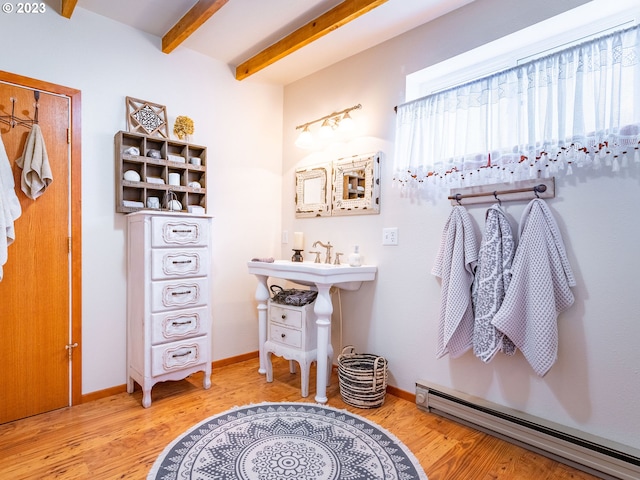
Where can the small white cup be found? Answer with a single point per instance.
(174, 179)
(153, 202)
(195, 161)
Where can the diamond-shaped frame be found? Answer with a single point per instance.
(147, 117)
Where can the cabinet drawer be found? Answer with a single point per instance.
(172, 263)
(179, 294)
(173, 231)
(178, 355)
(286, 336)
(285, 316)
(171, 326)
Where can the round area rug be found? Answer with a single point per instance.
(286, 441)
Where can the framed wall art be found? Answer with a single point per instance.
(147, 118)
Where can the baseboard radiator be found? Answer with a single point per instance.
(598, 456)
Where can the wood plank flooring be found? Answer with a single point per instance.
(115, 438)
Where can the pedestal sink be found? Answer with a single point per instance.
(321, 276)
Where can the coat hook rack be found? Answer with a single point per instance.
(13, 120)
(523, 190)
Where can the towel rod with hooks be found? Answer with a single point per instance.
(522, 190)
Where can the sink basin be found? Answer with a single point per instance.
(312, 274)
(322, 276)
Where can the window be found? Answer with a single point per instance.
(578, 105)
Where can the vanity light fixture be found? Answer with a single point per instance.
(337, 120)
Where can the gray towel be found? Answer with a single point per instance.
(490, 284)
(454, 264)
(540, 288)
(36, 171)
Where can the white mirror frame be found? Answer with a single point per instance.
(320, 176)
(356, 185)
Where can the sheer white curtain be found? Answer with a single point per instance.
(577, 108)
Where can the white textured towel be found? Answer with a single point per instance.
(10, 208)
(539, 290)
(36, 171)
(492, 278)
(454, 265)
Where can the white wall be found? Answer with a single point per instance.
(240, 123)
(595, 384)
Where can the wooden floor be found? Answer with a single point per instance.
(116, 438)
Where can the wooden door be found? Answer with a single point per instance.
(35, 314)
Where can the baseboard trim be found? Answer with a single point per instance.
(237, 359)
(108, 392)
(396, 392)
(99, 394)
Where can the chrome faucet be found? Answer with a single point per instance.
(328, 246)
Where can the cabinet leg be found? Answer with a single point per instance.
(304, 378)
(146, 398)
(130, 385)
(269, 366)
(207, 378)
(292, 366)
(329, 363)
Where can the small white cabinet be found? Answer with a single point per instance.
(168, 299)
(291, 334)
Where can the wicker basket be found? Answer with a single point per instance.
(363, 378)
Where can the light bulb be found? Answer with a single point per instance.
(346, 124)
(325, 130)
(305, 139)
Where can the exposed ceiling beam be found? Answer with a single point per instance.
(320, 26)
(192, 20)
(68, 6)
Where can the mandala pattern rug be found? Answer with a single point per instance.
(286, 441)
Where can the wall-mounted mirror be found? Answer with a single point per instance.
(313, 191)
(356, 185)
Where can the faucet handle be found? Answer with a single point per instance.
(337, 260)
(317, 260)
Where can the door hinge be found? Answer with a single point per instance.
(69, 243)
(70, 348)
(68, 135)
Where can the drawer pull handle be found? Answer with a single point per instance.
(176, 324)
(186, 292)
(176, 262)
(181, 231)
(177, 355)
(282, 335)
(284, 315)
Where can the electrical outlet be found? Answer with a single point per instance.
(285, 236)
(390, 236)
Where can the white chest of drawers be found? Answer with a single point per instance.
(291, 334)
(168, 299)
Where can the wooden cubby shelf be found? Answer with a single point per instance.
(176, 161)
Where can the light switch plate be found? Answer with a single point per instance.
(390, 236)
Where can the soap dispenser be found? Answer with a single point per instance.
(354, 258)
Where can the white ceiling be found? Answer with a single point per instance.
(242, 28)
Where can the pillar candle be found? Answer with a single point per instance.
(298, 241)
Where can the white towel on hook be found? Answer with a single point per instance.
(10, 208)
(36, 171)
(492, 278)
(454, 265)
(539, 290)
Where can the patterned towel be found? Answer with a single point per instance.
(454, 265)
(492, 278)
(539, 289)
